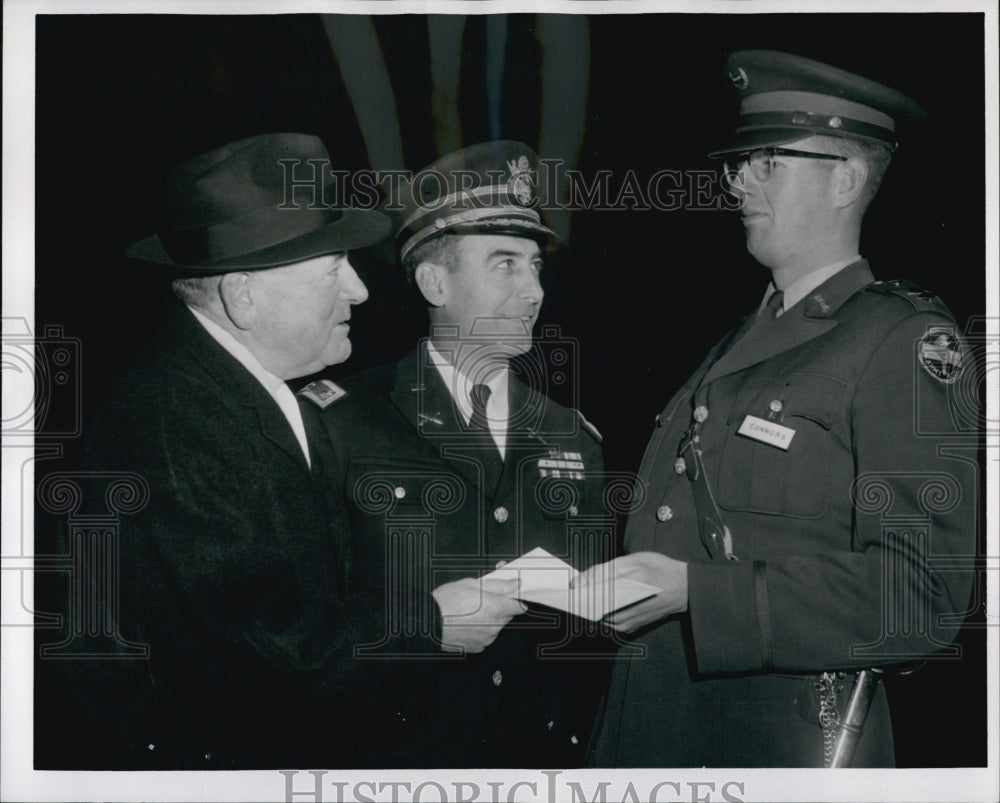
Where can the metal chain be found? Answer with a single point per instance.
(829, 719)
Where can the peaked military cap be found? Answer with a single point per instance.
(785, 98)
(489, 188)
(231, 210)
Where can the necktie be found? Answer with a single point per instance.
(487, 451)
(479, 395)
(773, 305)
(767, 315)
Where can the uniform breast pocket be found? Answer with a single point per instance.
(556, 498)
(400, 513)
(779, 445)
(392, 490)
(558, 485)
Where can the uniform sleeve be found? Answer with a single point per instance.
(901, 590)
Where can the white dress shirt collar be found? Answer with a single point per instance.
(274, 385)
(460, 387)
(804, 285)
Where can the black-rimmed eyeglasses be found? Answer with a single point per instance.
(761, 161)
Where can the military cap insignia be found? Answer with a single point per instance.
(520, 180)
(740, 78)
(940, 353)
(322, 393)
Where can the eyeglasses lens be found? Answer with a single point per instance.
(759, 162)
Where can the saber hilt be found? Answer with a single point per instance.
(853, 722)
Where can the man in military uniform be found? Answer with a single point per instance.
(454, 466)
(807, 486)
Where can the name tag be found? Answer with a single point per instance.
(766, 432)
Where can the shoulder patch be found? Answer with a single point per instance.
(590, 428)
(322, 393)
(940, 353)
(919, 298)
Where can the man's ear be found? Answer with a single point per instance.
(431, 278)
(237, 299)
(851, 178)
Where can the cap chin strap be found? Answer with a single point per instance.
(510, 218)
(815, 113)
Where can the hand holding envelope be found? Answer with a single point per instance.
(546, 580)
(669, 575)
(473, 612)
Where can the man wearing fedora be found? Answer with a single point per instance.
(231, 574)
(455, 465)
(811, 492)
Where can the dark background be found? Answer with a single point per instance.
(643, 294)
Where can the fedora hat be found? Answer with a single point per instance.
(250, 205)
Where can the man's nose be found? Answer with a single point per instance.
(354, 290)
(531, 287)
(737, 180)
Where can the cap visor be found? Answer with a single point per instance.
(515, 227)
(745, 141)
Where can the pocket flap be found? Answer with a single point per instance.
(378, 486)
(814, 397)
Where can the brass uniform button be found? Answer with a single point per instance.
(680, 465)
(399, 492)
(497, 678)
(700, 413)
(664, 513)
(500, 514)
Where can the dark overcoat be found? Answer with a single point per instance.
(427, 506)
(848, 543)
(231, 575)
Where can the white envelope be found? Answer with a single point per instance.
(545, 581)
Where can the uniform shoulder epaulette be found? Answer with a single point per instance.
(322, 393)
(594, 431)
(918, 297)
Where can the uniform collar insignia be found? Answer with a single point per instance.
(817, 306)
(825, 300)
(322, 393)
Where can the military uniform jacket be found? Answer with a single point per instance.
(231, 573)
(426, 508)
(842, 540)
